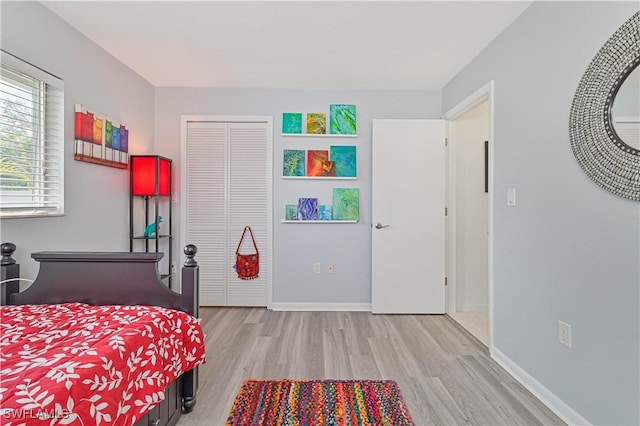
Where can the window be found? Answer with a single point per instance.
(31, 140)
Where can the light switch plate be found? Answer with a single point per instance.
(511, 197)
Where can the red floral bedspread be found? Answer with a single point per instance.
(77, 364)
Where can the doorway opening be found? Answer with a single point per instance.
(470, 215)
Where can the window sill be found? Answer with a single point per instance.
(29, 214)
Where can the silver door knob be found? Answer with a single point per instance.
(380, 226)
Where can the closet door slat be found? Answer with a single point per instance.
(206, 207)
(248, 206)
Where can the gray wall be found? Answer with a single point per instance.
(96, 197)
(348, 246)
(569, 251)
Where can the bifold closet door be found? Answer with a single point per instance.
(226, 191)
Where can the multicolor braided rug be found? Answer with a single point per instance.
(319, 402)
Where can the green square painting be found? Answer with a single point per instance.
(342, 119)
(346, 204)
(292, 122)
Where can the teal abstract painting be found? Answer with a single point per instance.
(342, 119)
(346, 204)
(291, 122)
(293, 162)
(324, 212)
(345, 160)
(291, 212)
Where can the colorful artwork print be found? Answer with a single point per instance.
(346, 204)
(315, 161)
(328, 168)
(293, 163)
(100, 140)
(108, 135)
(316, 123)
(291, 122)
(124, 139)
(97, 131)
(345, 158)
(342, 119)
(290, 212)
(324, 212)
(307, 209)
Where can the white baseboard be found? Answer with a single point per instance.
(471, 307)
(555, 404)
(286, 306)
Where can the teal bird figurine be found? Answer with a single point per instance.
(153, 228)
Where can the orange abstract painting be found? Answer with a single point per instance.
(315, 162)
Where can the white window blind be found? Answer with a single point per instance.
(31, 140)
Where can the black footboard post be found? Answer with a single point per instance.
(190, 304)
(9, 271)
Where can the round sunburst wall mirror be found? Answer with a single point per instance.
(604, 125)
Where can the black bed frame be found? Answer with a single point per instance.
(111, 278)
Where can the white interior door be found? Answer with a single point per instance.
(408, 214)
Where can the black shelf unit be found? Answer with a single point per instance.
(151, 180)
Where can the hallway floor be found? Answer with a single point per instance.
(475, 322)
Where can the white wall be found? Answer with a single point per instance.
(296, 247)
(471, 130)
(569, 250)
(96, 197)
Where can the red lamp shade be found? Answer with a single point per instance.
(150, 175)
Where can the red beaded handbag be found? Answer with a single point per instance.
(247, 265)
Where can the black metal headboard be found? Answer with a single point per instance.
(100, 278)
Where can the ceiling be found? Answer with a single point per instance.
(302, 44)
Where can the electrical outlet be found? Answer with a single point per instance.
(330, 268)
(173, 268)
(317, 268)
(564, 333)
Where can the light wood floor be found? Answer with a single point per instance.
(446, 377)
(475, 322)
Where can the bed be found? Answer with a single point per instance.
(98, 339)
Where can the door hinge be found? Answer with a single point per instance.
(446, 211)
(446, 142)
(445, 281)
